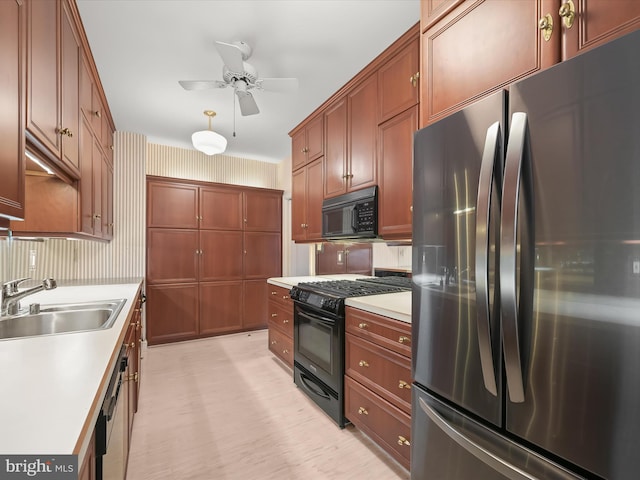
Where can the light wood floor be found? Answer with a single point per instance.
(225, 409)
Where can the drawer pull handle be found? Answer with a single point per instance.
(362, 411)
(132, 376)
(273, 342)
(274, 315)
(363, 363)
(404, 384)
(363, 325)
(285, 297)
(285, 351)
(274, 293)
(285, 321)
(403, 339)
(403, 441)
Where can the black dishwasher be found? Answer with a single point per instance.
(111, 426)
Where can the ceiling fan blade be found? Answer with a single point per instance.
(202, 84)
(247, 103)
(280, 85)
(231, 56)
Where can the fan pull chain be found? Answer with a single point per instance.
(234, 114)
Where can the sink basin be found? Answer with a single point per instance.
(62, 318)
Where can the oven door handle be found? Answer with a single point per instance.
(312, 387)
(316, 318)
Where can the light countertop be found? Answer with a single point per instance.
(53, 385)
(393, 305)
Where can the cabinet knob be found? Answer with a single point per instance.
(273, 342)
(545, 24)
(362, 411)
(285, 351)
(132, 345)
(363, 325)
(65, 131)
(404, 384)
(413, 79)
(403, 441)
(568, 13)
(110, 147)
(133, 376)
(97, 216)
(274, 293)
(363, 363)
(285, 297)
(98, 114)
(403, 339)
(274, 315)
(285, 321)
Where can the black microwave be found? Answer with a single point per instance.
(353, 215)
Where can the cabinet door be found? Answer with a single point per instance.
(255, 300)
(315, 138)
(298, 204)
(262, 211)
(262, 255)
(70, 63)
(221, 255)
(42, 78)
(396, 172)
(314, 191)
(363, 128)
(298, 149)
(220, 208)
(597, 22)
(172, 312)
(172, 205)
(335, 160)
(464, 58)
(220, 307)
(106, 207)
(396, 89)
(96, 159)
(85, 185)
(172, 255)
(12, 69)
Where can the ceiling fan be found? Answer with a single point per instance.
(242, 77)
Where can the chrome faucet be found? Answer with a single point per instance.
(11, 296)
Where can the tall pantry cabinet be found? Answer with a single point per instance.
(210, 249)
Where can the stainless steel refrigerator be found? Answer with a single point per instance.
(526, 278)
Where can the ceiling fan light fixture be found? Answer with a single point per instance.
(208, 141)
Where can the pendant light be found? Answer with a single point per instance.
(207, 141)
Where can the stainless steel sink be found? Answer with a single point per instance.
(62, 318)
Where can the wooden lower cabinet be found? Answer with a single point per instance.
(172, 312)
(280, 322)
(220, 307)
(378, 380)
(386, 424)
(87, 471)
(255, 304)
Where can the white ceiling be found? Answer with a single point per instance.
(143, 47)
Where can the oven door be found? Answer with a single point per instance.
(318, 344)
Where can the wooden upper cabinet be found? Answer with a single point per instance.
(335, 159)
(220, 208)
(308, 143)
(262, 211)
(479, 47)
(596, 22)
(398, 82)
(306, 203)
(53, 63)
(172, 205)
(12, 70)
(395, 162)
(361, 168)
(432, 10)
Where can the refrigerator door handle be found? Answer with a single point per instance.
(511, 192)
(498, 464)
(483, 207)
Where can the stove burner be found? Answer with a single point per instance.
(349, 288)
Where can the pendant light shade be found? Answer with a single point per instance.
(208, 141)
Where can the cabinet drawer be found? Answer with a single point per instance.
(384, 331)
(386, 373)
(280, 295)
(281, 318)
(281, 346)
(388, 426)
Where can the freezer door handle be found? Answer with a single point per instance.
(483, 209)
(498, 464)
(517, 174)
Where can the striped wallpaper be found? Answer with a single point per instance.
(124, 256)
